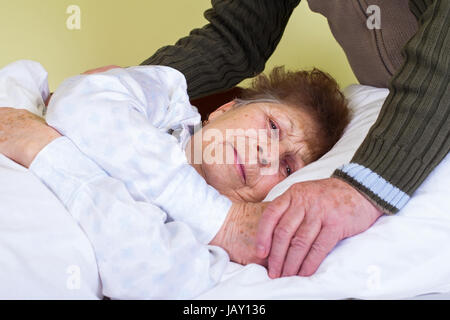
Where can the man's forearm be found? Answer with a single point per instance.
(412, 133)
(240, 38)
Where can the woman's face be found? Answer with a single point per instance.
(248, 149)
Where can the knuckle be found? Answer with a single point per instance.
(282, 233)
(299, 243)
(319, 247)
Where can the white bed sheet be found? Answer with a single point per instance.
(45, 255)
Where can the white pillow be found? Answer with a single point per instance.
(400, 256)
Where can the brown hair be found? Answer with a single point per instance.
(314, 91)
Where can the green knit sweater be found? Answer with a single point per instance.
(412, 133)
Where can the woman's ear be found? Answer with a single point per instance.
(221, 110)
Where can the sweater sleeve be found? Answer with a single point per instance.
(411, 134)
(237, 42)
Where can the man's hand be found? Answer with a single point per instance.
(238, 233)
(23, 135)
(300, 227)
(101, 69)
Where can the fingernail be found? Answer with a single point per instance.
(260, 251)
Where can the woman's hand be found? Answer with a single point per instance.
(23, 135)
(238, 233)
(101, 69)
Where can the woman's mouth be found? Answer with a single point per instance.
(239, 166)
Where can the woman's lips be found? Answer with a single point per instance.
(239, 166)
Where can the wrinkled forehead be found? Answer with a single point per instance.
(294, 119)
(297, 126)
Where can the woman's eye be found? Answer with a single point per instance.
(273, 126)
(288, 171)
(274, 130)
(286, 167)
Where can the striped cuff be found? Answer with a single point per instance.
(390, 198)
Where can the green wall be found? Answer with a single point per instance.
(127, 32)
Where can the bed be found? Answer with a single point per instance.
(45, 255)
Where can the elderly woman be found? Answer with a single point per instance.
(123, 151)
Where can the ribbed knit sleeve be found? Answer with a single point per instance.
(240, 38)
(412, 133)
